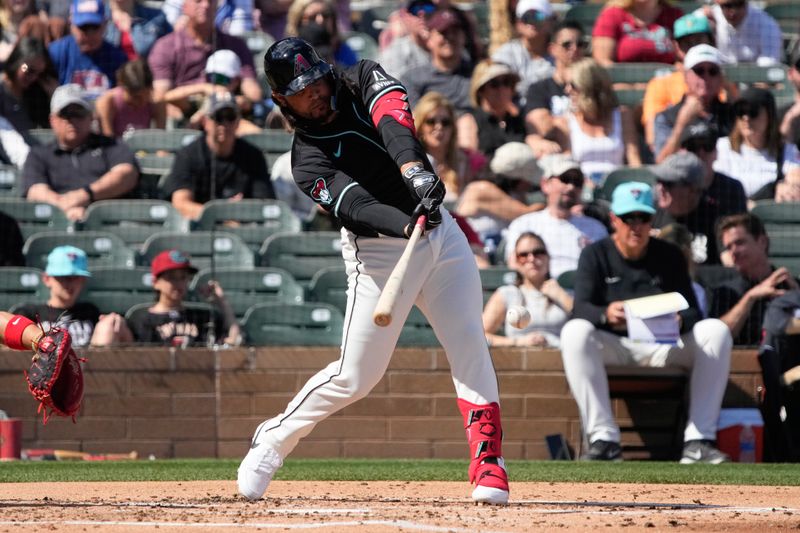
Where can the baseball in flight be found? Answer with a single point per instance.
(517, 316)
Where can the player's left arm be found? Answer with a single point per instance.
(18, 332)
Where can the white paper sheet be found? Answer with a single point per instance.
(654, 319)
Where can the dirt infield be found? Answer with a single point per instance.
(391, 507)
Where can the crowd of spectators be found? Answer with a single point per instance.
(525, 135)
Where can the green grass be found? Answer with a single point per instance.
(404, 470)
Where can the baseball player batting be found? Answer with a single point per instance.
(355, 153)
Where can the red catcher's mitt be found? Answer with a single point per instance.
(55, 377)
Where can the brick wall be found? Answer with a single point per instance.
(200, 403)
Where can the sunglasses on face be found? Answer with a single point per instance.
(502, 81)
(217, 79)
(533, 17)
(736, 4)
(225, 116)
(443, 122)
(73, 113)
(697, 145)
(636, 218)
(425, 7)
(569, 45)
(711, 72)
(751, 112)
(575, 180)
(536, 253)
(89, 28)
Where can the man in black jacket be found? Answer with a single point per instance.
(355, 153)
(630, 264)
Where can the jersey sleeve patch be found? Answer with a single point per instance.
(320, 192)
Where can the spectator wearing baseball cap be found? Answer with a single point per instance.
(564, 232)
(79, 166)
(65, 276)
(620, 36)
(527, 55)
(169, 322)
(241, 170)
(754, 152)
(667, 90)
(704, 81)
(631, 264)
(679, 199)
(496, 112)
(85, 57)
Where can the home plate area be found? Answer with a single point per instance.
(385, 506)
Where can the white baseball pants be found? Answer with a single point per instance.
(443, 281)
(706, 352)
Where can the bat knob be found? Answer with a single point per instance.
(382, 320)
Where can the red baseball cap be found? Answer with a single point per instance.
(170, 260)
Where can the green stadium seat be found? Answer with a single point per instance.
(417, 331)
(245, 287)
(255, 219)
(494, 278)
(102, 248)
(35, 217)
(629, 97)
(567, 279)
(226, 249)
(778, 217)
(115, 290)
(20, 284)
(637, 72)
(133, 220)
(329, 285)
(156, 140)
(585, 15)
(152, 169)
(280, 324)
(362, 44)
(623, 175)
(258, 41)
(9, 181)
(272, 141)
(42, 135)
(302, 254)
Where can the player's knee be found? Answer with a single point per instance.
(576, 333)
(714, 336)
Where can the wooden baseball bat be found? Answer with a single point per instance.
(383, 310)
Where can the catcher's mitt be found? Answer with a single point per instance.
(55, 377)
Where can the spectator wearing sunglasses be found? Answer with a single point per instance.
(129, 106)
(634, 31)
(527, 55)
(78, 166)
(547, 99)
(755, 153)
(667, 90)
(28, 80)
(631, 264)
(240, 168)
(562, 228)
(701, 103)
(498, 116)
(679, 200)
(745, 33)
(84, 57)
(547, 302)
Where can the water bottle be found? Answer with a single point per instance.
(747, 445)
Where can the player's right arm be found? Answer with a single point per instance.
(341, 195)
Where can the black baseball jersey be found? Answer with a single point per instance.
(351, 167)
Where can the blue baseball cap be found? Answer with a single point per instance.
(632, 197)
(83, 12)
(67, 261)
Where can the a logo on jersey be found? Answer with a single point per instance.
(301, 64)
(320, 192)
(380, 80)
(338, 152)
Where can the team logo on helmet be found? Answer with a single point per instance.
(320, 192)
(301, 64)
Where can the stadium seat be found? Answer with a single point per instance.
(585, 15)
(102, 248)
(362, 44)
(152, 169)
(710, 276)
(629, 97)
(245, 287)
(567, 279)
(495, 277)
(280, 324)
(9, 181)
(784, 250)
(42, 135)
(787, 15)
(272, 141)
(20, 284)
(302, 254)
(258, 41)
(622, 175)
(133, 220)
(115, 290)
(783, 216)
(156, 140)
(226, 249)
(329, 285)
(254, 220)
(417, 331)
(637, 72)
(34, 217)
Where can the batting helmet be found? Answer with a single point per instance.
(291, 64)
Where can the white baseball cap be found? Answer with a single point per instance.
(702, 53)
(555, 165)
(224, 62)
(516, 160)
(542, 6)
(68, 94)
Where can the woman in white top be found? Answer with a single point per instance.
(547, 302)
(751, 152)
(602, 135)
